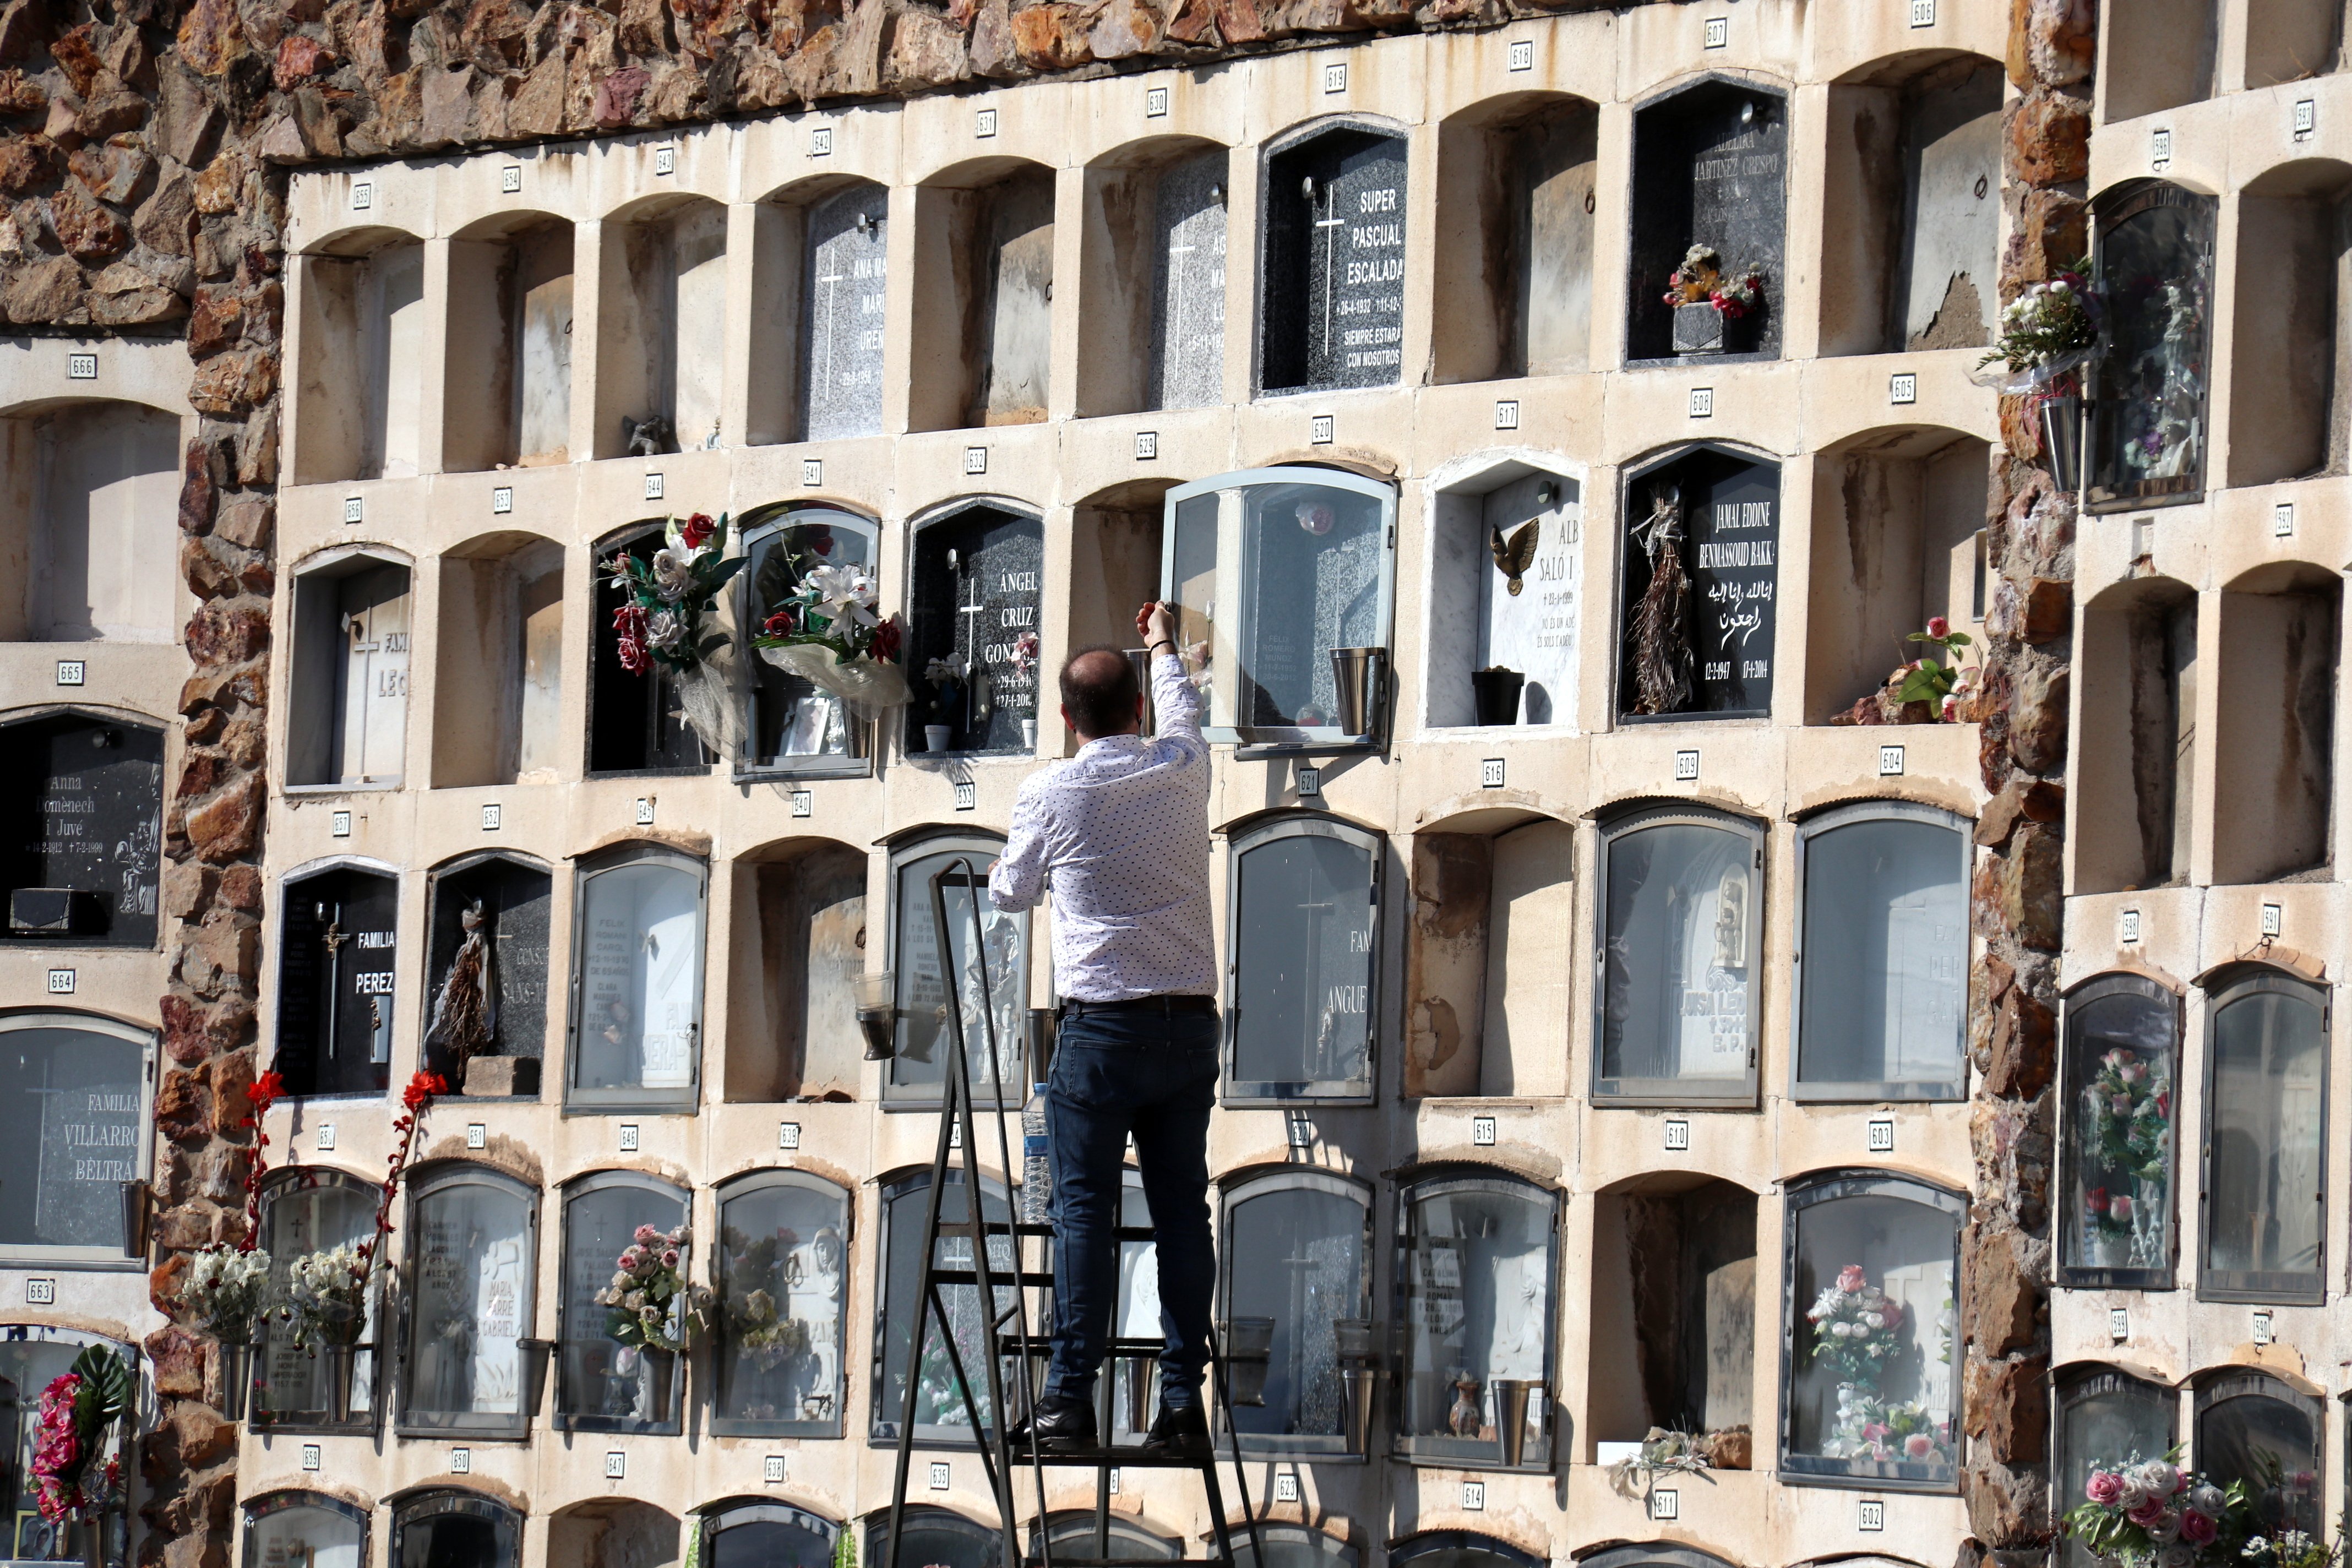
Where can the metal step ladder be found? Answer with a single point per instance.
(1004, 1329)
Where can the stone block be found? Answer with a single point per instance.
(2008, 1406)
(2048, 138)
(2037, 719)
(2000, 1302)
(226, 827)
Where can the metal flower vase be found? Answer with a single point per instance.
(1351, 1343)
(1511, 1396)
(235, 1359)
(535, 1354)
(1355, 676)
(1495, 694)
(337, 1365)
(656, 1382)
(877, 1013)
(2062, 440)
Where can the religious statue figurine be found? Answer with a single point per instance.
(1659, 629)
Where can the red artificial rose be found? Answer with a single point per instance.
(887, 638)
(779, 625)
(629, 622)
(1937, 626)
(267, 1091)
(696, 529)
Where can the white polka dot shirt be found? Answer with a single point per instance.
(1121, 831)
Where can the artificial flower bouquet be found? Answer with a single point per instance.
(651, 1305)
(326, 1296)
(1701, 279)
(664, 620)
(70, 1433)
(828, 632)
(227, 1288)
(1856, 1329)
(1887, 1432)
(2150, 1513)
(1944, 681)
(2046, 333)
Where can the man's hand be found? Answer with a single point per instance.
(1155, 625)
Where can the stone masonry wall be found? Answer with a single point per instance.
(2017, 902)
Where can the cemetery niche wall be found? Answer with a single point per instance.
(1709, 208)
(1517, 191)
(83, 793)
(2154, 262)
(1506, 590)
(507, 389)
(353, 623)
(338, 947)
(1332, 213)
(1698, 603)
(973, 631)
(486, 999)
(1153, 333)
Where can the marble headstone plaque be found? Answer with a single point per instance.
(515, 904)
(85, 799)
(1187, 318)
(336, 965)
(976, 590)
(1534, 631)
(841, 314)
(1335, 263)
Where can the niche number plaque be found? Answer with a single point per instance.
(967, 795)
(1474, 1497)
(1873, 1515)
(2127, 927)
(629, 1137)
(1310, 782)
(1285, 1488)
(1147, 445)
(40, 1292)
(62, 982)
(975, 459)
(81, 367)
(2262, 1328)
(1881, 1137)
(493, 817)
(1155, 103)
(1890, 761)
(771, 1469)
(1319, 430)
(2271, 923)
(1506, 413)
(787, 1135)
(1523, 55)
(939, 1475)
(477, 1135)
(71, 672)
(1482, 1131)
(804, 802)
(1903, 387)
(1490, 774)
(1702, 403)
(654, 486)
(2118, 1323)
(616, 1465)
(501, 499)
(340, 825)
(1686, 767)
(811, 472)
(461, 1461)
(310, 1456)
(1678, 1136)
(645, 811)
(1666, 1505)
(1717, 34)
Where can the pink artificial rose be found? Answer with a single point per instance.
(2199, 1530)
(1937, 626)
(1849, 1279)
(2119, 1209)
(2104, 1488)
(646, 1236)
(669, 1258)
(1918, 1446)
(2148, 1514)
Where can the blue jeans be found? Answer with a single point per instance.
(1154, 1077)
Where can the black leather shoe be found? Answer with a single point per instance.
(1183, 1432)
(1064, 1426)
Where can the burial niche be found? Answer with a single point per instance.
(1709, 215)
(2121, 1094)
(2105, 1417)
(1506, 587)
(498, 659)
(1911, 215)
(1291, 1546)
(636, 954)
(1515, 197)
(784, 1262)
(994, 1010)
(76, 1089)
(2138, 737)
(485, 998)
(456, 1529)
(609, 1385)
(1332, 304)
(1282, 581)
(795, 727)
(984, 338)
(84, 797)
(1698, 605)
(352, 620)
(2258, 1429)
(844, 276)
(937, 1536)
(1304, 922)
(310, 1529)
(941, 1415)
(792, 1018)
(971, 639)
(2168, 55)
(473, 1291)
(1487, 960)
(2155, 267)
(1297, 1262)
(33, 1357)
(307, 1209)
(1475, 1264)
(768, 1535)
(87, 512)
(1675, 1277)
(1154, 337)
(337, 952)
(363, 359)
(2274, 723)
(661, 344)
(636, 723)
(507, 398)
(2288, 419)
(2265, 1088)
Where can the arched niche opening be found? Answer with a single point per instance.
(2105, 1416)
(1506, 592)
(354, 620)
(2137, 668)
(1297, 1252)
(310, 1528)
(1897, 539)
(32, 1356)
(362, 366)
(1911, 212)
(1516, 197)
(1070, 1533)
(1303, 919)
(636, 723)
(1288, 1546)
(791, 1027)
(471, 1366)
(2165, 58)
(983, 330)
(1153, 333)
(1488, 956)
(2120, 1147)
(1674, 1275)
(635, 1038)
(937, 1536)
(1116, 535)
(1332, 216)
(976, 596)
(1699, 591)
(820, 254)
(619, 1533)
(2150, 434)
(2274, 723)
(506, 398)
(78, 1089)
(1709, 171)
(337, 953)
(603, 1383)
(308, 1209)
(84, 865)
(2293, 41)
(782, 1275)
(453, 1528)
(485, 1006)
(794, 728)
(1459, 1549)
(941, 1417)
(2264, 1188)
(2261, 1430)
(922, 958)
(661, 333)
(499, 660)
(88, 502)
(760, 1535)
(2292, 336)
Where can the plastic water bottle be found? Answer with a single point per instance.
(1036, 1164)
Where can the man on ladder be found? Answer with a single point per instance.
(1120, 832)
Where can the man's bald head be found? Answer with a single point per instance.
(1099, 696)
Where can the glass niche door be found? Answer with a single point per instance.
(1679, 948)
(74, 1107)
(1304, 922)
(456, 1529)
(795, 727)
(2106, 1418)
(2265, 1141)
(1475, 1263)
(308, 1209)
(2119, 1107)
(1273, 572)
(605, 1383)
(784, 1267)
(33, 1356)
(636, 982)
(304, 1530)
(473, 1245)
(992, 1009)
(1297, 1253)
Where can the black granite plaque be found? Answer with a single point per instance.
(335, 976)
(1730, 549)
(513, 901)
(83, 798)
(976, 589)
(1710, 167)
(1335, 233)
